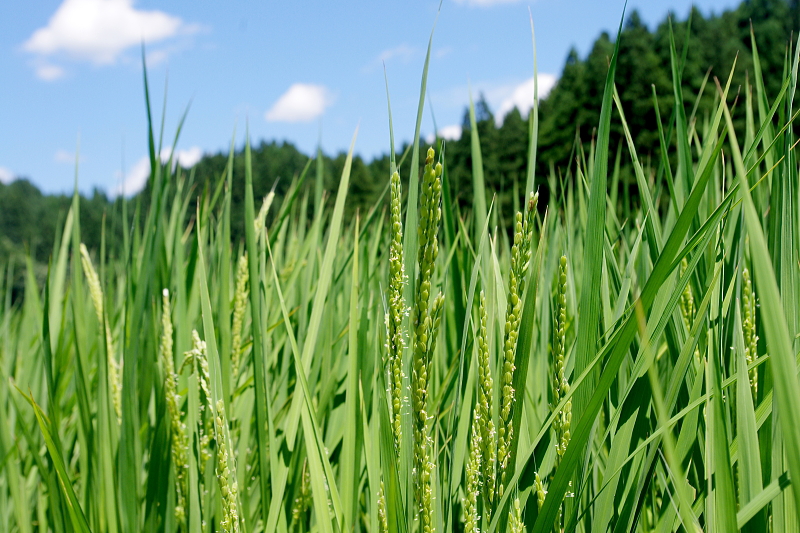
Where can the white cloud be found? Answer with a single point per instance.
(48, 72)
(499, 94)
(135, 179)
(6, 176)
(485, 3)
(156, 57)
(301, 103)
(403, 52)
(137, 176)
(186, 158)
(522, 95)
(448, 133)
(64, 156)
(443, 52)
(99, 31)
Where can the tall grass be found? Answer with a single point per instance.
(590, 367)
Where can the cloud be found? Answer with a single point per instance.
(99, 31)
(156, 57)
(162, 54)
(522, 95)
(6, 176)
(443, 52)
(404, 52)
(301, 103)
(448, 133)
(137, 176)
(48, 72)
(135, 179)
(485, 3)
(64, 156)
(451, 133)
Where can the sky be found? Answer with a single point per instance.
(308, 72)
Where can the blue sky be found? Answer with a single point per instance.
(297, 70)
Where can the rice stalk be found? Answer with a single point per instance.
(226, 474)
(426, 320)
(179, 443)
(395, 315)
(239, 306)
(749, 328)
(520, 257)
(114, 368)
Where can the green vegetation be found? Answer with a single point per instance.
(591, 363)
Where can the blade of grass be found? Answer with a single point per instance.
(779, 342)
(762, 499)
(749, 455)
(258, 358)
(323, 284)
(78, 519)
(350, 461)
(478, 182)
(589, 306)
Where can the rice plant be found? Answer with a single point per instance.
(580, 366)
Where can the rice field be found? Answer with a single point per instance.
(579, 365)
